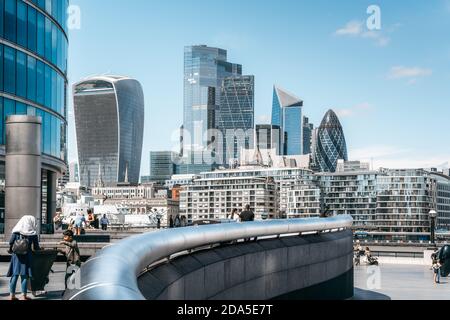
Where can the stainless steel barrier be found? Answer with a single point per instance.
(112, 274)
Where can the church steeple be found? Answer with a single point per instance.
(126, 174)
(99, 183)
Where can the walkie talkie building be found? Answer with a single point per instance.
(109, 120)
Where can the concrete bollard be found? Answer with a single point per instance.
(23, 170)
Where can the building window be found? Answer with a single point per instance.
(10, 20)
(32, 29)
(10, 70)
(21, 85)
(31, 78)
(40, 34)
(22, 24)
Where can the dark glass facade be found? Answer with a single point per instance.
(109, 120)
(308, 129)
(162, 166)
(330, 144)
(267, 137)
(236, 119)
(33, 78)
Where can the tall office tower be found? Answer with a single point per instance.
(287, 114)
(267, 137)
(33, 81)
(109, 120)
(329, 144)
(308, 129)
(73, 172)
(236, 119)
(162, 166)
(205, 68)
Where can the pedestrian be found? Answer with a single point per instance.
(57, 221)
(437, 269)
(177, 221)
(78, 223)
(183, 222)
(247, 215)
(158, 223)
(91, 219)
(235, 215)
(23, 241)
(434, 257)
(72, 254)
(171, 223)
(104, 222)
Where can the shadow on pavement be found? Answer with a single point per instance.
(361, 294)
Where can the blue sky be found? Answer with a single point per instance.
(390, 87)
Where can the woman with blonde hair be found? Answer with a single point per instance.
(23, 241)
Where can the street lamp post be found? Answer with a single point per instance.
(433, 216)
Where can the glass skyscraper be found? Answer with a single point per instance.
(109, 120)
(237, 115)
(267, 137)
(162, 166)
(33, 81)
(330, 145)
(204, 70)
(287, 114)
(308, 129)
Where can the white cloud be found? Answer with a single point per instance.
(376, 151)
(264, 119)
(357, 29)
(385, 156)
(352, 28)
(399, 72)
(360, 109)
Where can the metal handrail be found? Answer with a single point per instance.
(112, 274)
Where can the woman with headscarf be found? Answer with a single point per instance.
(26, 229)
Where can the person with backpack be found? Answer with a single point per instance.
(24, 241)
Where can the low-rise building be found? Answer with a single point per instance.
(217, 197)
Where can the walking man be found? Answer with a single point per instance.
(104, 222)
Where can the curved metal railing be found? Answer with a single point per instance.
(112, 274)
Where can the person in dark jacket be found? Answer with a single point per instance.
(26, 229)
(247, 215)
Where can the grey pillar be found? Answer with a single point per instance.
(23, 169)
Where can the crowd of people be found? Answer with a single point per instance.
(24, 241)
(80, 223)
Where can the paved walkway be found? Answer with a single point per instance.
(54, 288)
(388, 282)
(399, 282)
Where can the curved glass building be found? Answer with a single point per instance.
(330, 145)
(109, 120)
(33, 81)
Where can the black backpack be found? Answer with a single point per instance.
(20, 246)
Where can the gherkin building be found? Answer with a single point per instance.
(330, 145)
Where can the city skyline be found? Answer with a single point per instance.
(380, 101)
